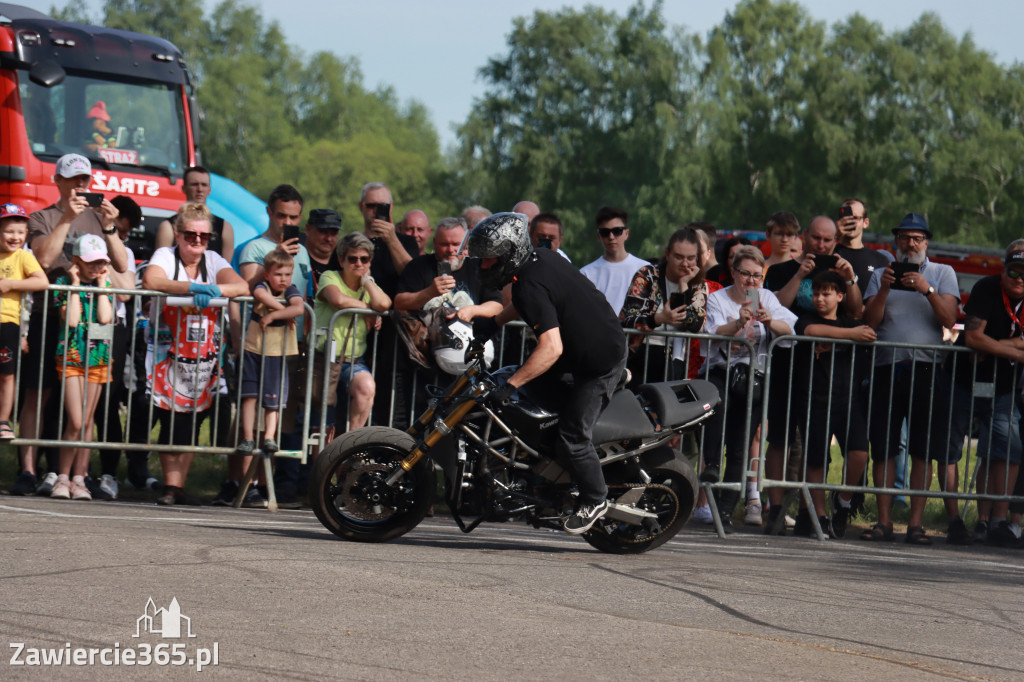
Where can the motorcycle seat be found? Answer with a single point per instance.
(680, 402)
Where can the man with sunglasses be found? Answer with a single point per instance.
(912, 307)
(993, 327)
(613, 272)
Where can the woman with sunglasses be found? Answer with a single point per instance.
(184, 358)
(344, 346)
(747, 311)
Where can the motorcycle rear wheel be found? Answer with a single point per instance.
(349, 494)
(673, 507)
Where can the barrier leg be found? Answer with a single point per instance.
(268, 472)
(806, 492)
(713, 503)
(247, 480)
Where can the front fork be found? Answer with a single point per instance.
(440, 428)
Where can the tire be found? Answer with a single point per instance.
(674, 507)
(348, 493)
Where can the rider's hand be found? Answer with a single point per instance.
(501, 393)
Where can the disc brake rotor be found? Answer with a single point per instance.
(363, 491)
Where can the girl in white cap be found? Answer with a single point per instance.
(83, 357)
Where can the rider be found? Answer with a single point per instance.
(568, 314)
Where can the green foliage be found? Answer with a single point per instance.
(271, 115)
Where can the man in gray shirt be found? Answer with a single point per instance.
(911, 301)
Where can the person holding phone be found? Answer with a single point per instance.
(670, 296)
(853, 220)
(732, 312)
(52, 234)
(908, 383)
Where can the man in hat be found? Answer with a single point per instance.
(985, 387)
(322, 229)
(910, 302)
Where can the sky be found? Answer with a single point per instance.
(432, 51)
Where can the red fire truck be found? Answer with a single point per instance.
(124, 100)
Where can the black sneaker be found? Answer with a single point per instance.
(956, 532)
(269, 446)
(840, 517)
(25, 484)
(585, 517)
(253, 499)
(980, 531)
(803, 528)
(1001, 536)
(95, 490)
(226, 496)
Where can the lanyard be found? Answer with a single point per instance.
(1009, 311)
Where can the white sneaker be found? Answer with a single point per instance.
(703, 514)
(46, 487)
(790, 522)
(108, 484)
(753, 514)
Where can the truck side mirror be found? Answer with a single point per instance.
(47, 73)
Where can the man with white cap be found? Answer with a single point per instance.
(52, 233)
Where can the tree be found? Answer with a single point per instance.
(585, 109)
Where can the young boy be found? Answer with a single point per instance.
(19, 272)
(269, 338)
(824, 374)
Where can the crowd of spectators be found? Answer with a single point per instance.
(887, 378)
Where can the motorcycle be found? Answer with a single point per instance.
(376, 483)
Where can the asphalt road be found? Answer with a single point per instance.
(283, 599)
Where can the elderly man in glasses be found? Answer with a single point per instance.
(613, 272)
(910, 302)
(791, 282)
(993, 327)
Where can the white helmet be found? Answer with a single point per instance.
(451, 357)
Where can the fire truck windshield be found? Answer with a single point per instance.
(113, 122)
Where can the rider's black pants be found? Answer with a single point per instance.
(587, 399)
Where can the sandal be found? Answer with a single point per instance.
(6, 432)
(877, 533)
(916, 536)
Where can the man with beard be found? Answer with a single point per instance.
(910, 302)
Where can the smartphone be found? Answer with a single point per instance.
(444, 267)
(94, 198)
(845, 212)
(754, 299)
(383, 212)
(544, 243)
(900, 269)
(823, 263)
(290, 232)
(680, 298)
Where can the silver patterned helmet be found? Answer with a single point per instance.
(504, 236)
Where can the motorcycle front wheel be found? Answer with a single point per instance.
(349, 491)
(670, 495)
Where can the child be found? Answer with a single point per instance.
(269, 338)
(833, 403)
(19, 272)
(83, 357)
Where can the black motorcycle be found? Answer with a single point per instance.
(377, 483)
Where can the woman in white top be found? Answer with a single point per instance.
(754, 314)
(184, 381)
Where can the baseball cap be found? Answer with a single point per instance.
(73, 165)
(325, 219)
(1012, 258)
(913, 221)
(12, 211)
(90, 248)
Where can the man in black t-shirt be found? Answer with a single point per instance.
(567, 313)
(322, 230)
(853, 220)
(986, 388)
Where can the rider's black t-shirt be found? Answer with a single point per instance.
(548, 292)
